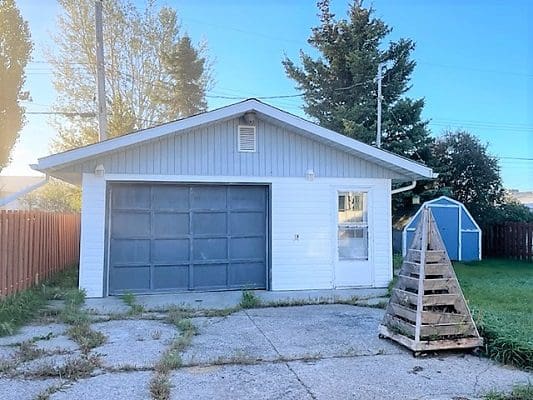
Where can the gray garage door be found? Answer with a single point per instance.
(187, 237)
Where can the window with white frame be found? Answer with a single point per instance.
(353, 225)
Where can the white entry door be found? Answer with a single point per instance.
(353, 265)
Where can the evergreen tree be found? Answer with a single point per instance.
(188, 76)
(15, 51)
(339, 86)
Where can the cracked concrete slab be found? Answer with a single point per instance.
(33, 332)
(17, 389)
(58, 343)
(401, 376)
(323, 331)
(223, 339)
(258, 382)
(118, 386)
(137, 343)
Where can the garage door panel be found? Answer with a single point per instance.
(210, 276)
(209, 249)
(208, 197)
(170, 197)
(209, 223)
(131, 197)
(170, 250)
(130, 251)
(253, 247)
(247, 223)
(128, 224)
(187, 237)
(131, 278)
(247, 197)
(246, 274)
(170, 224)
(171, 277)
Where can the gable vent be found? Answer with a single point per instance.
(247, 139)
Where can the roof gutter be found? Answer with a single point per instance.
(404, 188)
(6, 200)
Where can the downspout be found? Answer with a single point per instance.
(26, 190)
(404, 189)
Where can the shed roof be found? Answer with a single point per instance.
(408, 168)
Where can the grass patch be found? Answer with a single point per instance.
(249, 299)
(20, 308)
(500, 297)
(523, 392)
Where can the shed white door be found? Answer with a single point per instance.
(353, 266)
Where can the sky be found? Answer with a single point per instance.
(474, 65)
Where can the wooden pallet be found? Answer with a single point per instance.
(427, 310)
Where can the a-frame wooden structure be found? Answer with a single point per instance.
(427, 310)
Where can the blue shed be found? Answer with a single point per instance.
(459, 231)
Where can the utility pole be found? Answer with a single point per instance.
(379, 77)
(100, 72)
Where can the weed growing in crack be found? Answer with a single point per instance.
(86, 337)
(160, 387)
(73, 369)
(249, 299)
(29, 351)
(130, 300)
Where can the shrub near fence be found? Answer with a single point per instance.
(509, 240)
(35, 245)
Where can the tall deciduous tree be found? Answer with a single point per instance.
(15, 52)
(153, 73)
(339, 86)
(469, 173)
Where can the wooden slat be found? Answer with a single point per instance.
(446, 330)
(439, 299)
(402, 311)
(430, 269)
(432, 317)
(35, 245)
(432, 256)
(408, 282)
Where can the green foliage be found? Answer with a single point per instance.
(15, 52)
(55, 196)
(521, 392)
(18, 309)
(339, 87)
(500, 297)
(130, 300)
(469, 172)
(249, 299)
(148, 62)
(511, 211)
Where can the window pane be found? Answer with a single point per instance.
(352, 207)
(353, 243)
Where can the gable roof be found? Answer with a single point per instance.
(407, 167)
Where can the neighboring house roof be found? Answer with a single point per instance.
(13, 184)
(408, 168)
(525, 198)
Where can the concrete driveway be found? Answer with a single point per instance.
(305, 352)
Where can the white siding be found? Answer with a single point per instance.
(212, 150)
(92, 243)
(299, 207)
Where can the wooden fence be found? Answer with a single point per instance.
(34, 245)
(510, 240)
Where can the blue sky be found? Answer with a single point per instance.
(474, 64)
